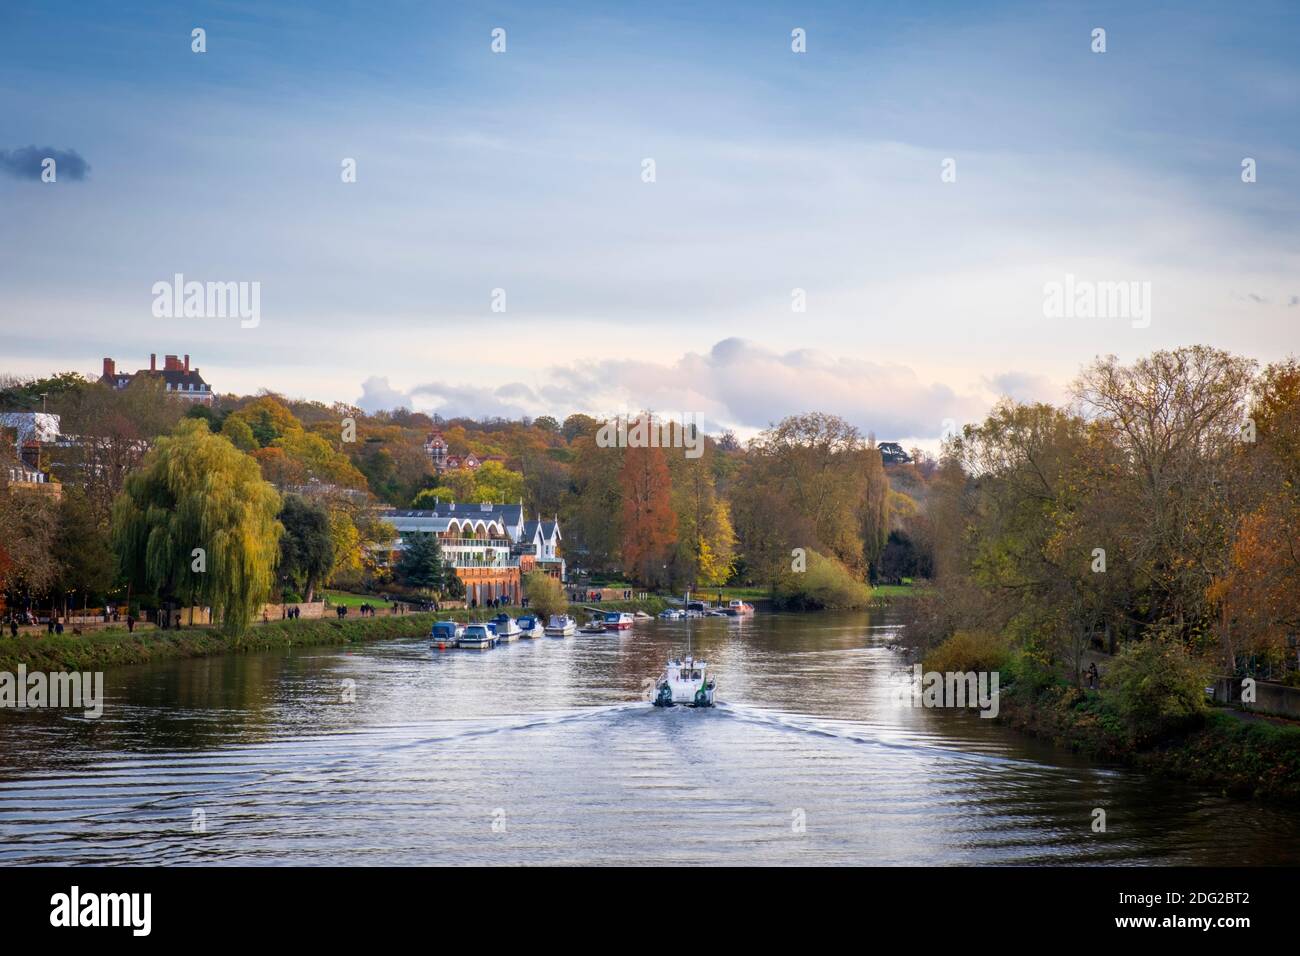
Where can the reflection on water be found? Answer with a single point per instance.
(545, 752)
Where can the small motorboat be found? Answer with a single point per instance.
(617, 620)
(685, 681)
(530, 626)
(445, 634)
(738, 609)
(561, 625)
(672, 614)
(506, 628)
(596, 625)
(478, 637)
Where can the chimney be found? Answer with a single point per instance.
(187, 363)
(110, 368)
(171, 363)
(153, 361)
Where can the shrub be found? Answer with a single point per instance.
(545, 594)
(1157, 687)
(969, 651)
(825, 584)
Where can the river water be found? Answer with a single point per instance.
(540, 752)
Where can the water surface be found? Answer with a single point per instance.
(545, 752)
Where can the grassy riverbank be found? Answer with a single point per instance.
(1219, 750)
(115, 647)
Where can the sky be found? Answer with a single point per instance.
(922, 173)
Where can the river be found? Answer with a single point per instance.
(540, 752)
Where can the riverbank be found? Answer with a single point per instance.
(116, 647)
(1235, 757)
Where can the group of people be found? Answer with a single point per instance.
(495, 602)
(290, 613)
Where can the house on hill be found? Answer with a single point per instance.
(178, 378)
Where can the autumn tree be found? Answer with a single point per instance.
(197, 523)
(649, 524)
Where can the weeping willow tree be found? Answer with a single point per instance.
(197, 524)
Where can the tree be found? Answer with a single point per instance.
(545, 594)
(239, 432)
(421, 564)
(649, 524)
(197, 523)
(547, 424)
(307, 546)
(84, 562)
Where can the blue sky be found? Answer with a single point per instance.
(774, 171)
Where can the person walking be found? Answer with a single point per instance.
(130, 623)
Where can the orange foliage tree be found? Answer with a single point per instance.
(649, 522)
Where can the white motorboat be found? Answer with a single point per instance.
(561, 625)
(506, 628)
(618, 620)
(445, 634)
(530, 626)
(685, 681)
(595, 625)
(672, 614)
(477, 636)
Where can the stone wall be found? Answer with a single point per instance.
(1276, 699)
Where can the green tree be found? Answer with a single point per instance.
(197, 523)
(421, 564)
(545, 594)
(307, 547)
(240, 433)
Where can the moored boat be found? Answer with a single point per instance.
(672, 614)
(594, 625)
(445, 634)
(477, 636)
(617, 620)
(739, 609)
(561, 625)
(506, 628)
(530, 626)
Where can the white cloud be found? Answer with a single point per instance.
(736, 384)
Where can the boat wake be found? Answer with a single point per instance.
(855, 733)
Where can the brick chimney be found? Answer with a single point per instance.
(187, 363)
(153, 361)
(171, 363)
(110, 368)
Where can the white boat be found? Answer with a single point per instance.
(445, 634)
(561, 625)
(530, 626)
(477, 636)
(672, 614)
(506, 628)
(618, 620)
(739, 609)
(596, 625)
(686, 681)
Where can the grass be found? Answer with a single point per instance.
(114, 647)
(348, 599)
